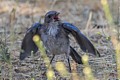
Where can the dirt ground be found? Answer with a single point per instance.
(16, 16)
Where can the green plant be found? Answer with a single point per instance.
(4, 55)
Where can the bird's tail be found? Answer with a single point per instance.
(75, 56)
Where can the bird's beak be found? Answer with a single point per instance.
(56, 16)
(57, 13)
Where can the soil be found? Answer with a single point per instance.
(16, 16)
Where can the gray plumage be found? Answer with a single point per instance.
(54, 34)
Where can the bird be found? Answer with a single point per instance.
(54, 34)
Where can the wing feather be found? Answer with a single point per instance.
(83, 41)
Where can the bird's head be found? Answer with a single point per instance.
(51, 16)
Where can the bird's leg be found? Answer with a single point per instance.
(67, 55)
(49, 63)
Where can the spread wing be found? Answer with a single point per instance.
(28, 46)
(83, 41)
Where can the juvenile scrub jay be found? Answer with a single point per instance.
(54, 34)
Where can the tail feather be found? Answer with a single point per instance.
(75, 56)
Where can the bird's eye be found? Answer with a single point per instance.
(49, 16)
